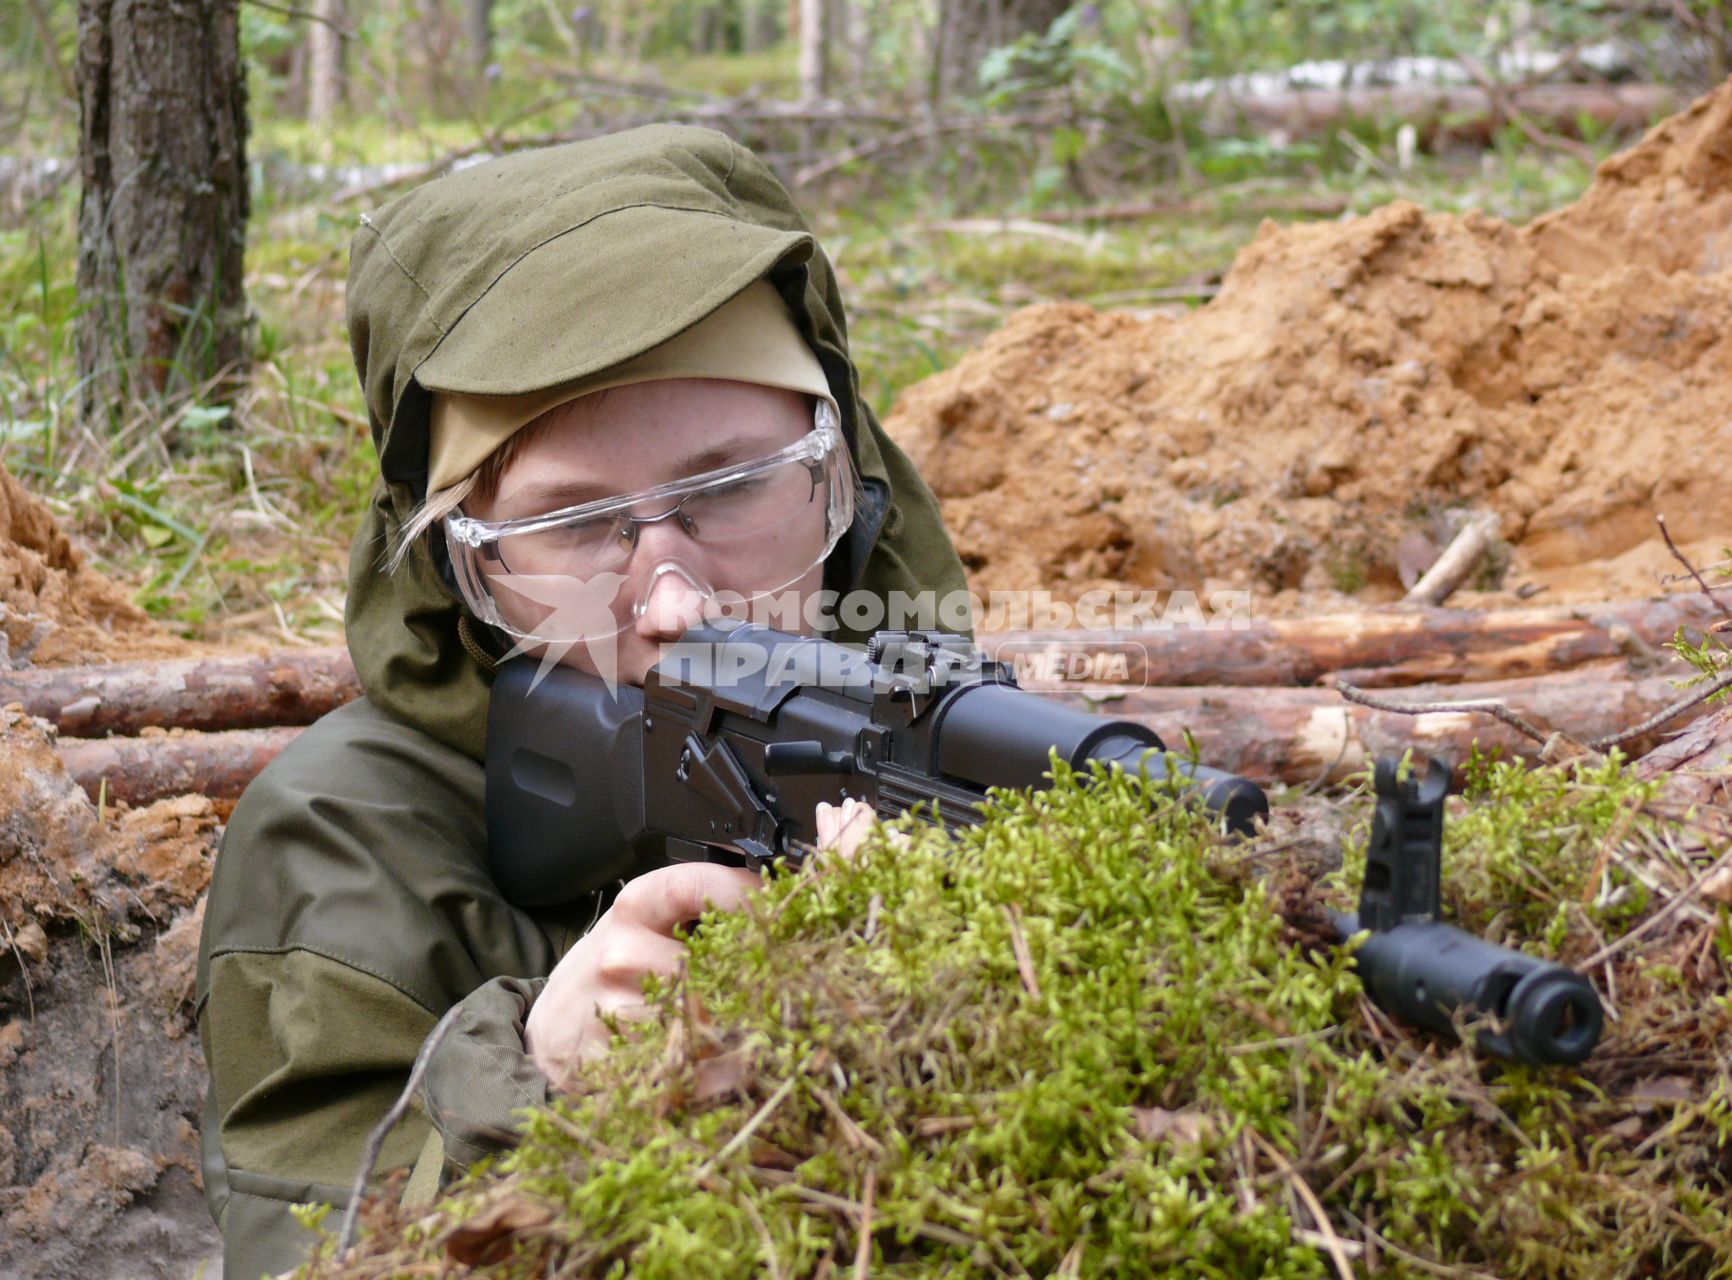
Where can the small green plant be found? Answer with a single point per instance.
(1346, 567)
(1712, 658)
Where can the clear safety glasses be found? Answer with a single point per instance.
(751, 529)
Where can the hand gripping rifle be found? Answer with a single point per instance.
(741, 731)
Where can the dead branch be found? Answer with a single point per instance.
(1660, 717)
(390, 1120)
(1458, 561)
(1487, 707)
(1306, 206)
(1665, 913)
(1455, 110)
(1691, 569)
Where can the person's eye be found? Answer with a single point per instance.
(583, 536)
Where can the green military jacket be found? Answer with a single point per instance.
(351, 906)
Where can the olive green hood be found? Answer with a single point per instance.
(545, 267)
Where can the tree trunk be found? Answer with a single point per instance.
(1304, 735)
(1387, 648)
(970, 29)
(814, 49)
(1379, 647)
(1439, 112)
(142, 770)
(478, 40)
(325, 61)
(758, 27)
(162, 220)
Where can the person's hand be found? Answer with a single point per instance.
(603, 975)
(843, 827)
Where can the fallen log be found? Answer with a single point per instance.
(1463, 112)
(1271, 735)
(1699, 760)
(1307, 735)
(1385, 647)
(157, 765)
(288, 687)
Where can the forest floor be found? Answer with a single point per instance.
(1307, 410)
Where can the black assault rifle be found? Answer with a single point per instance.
(741, 731)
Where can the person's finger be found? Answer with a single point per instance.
(828, 819)
(668, 897)
(630, 952)
(857, 819)
(843, 828)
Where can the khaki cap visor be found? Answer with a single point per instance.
(597, 295)
(750, 338)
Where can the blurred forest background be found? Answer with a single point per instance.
(958, 160)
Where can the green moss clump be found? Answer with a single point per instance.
(1083, 1039)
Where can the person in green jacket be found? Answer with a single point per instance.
(549, 330)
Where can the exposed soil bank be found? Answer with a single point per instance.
(1318, 430)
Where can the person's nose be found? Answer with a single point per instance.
(673, 600)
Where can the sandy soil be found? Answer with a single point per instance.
(1357, 388)
(54, 610)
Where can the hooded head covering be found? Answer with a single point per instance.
(550, 268)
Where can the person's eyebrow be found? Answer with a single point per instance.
(552, 495)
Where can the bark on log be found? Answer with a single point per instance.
(140, 770)
(1699, 759)
(1379, 648)
(1300, 735)
(291, 687)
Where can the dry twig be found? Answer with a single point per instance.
(1459, 559)
(1353, 693)
(382, 1130)
(746, 1130)
(1024, 961)
(1654, 921)
(863, 1250)
(1682, 559)
(1702, 694)
(1313, 1206)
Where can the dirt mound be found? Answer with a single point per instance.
(1323, 425)
(101, 1078)
(55, 610)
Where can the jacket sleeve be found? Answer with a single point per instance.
(479, 1078)
(349, 910)
(306, 1054)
